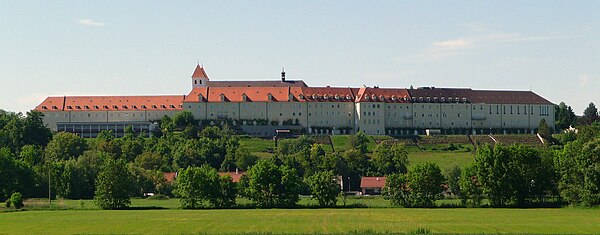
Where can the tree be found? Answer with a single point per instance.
(578, 166)
(35, 131)
(389, 159)
(471, 190)
(183, 118)
(16, 199)
(419, 187)
(270, 185)
(15, 175)
(195, 185)
(113, 185)
(244, 159)
(544, 130)
(453, 176)
(359, 142)
(565, 116)
(64, 146)
(590, 114)
(511, 175)
(324, 188)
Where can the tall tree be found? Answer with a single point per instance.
(419, 187)
(64, 146)
(324, 188)
(389, 159)
(590, 114)
(360, 141)
(565, 116)
(270, 185)
(113, 185)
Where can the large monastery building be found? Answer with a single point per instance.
(261, 107)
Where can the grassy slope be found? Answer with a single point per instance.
(566, 220)
(446, 160)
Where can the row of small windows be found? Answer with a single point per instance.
(162, 106)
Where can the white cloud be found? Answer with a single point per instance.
(90, 22)
(451, 47)
(584, 80)
(453, 44)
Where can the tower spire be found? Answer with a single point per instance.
(282, 74)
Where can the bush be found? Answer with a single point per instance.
(16, 199)
(8, 203)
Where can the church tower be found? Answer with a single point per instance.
(199, 77)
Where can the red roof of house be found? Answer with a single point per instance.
(111, 103)
(372, 182)
(235, 176)
(170, 176)
(387, 95)
(323, 94)
(199, 72)
(507, 97)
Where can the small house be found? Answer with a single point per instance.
(372, 185)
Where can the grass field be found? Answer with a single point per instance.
(307, 221)
(446, 160)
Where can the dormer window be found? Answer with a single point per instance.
(428, 99)
(162, 106)
(347, 97)
(181, 106)
(134, 106)
(325, 96)
(457, 99)
(115, 107)
(105, 106)
(367, 97)
(269, 96)
(96, 107)
(464, 99)
(222, 97)
(314, 96)
(54, 107)
(291, 97)
(381, 97)
(78, 107)
(172, 106)
(301, 96)
(154, 106)
(244, 97)
(144, 106)
(443, 99)
(374, 97)
(200, 98)
(86, 107)
(69, 107)
(44, 107)
(124, 106)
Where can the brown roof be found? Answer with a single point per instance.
(111, 103)
(199, 72)
(273, 83)
(372, 182)
(323, 94)
(235, 176)
(387, 95)
(507, 97)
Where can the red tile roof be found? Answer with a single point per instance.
(235, 176)
(372, 182)
(324, 94)
(170, 176)
(275, 83)
(199, 72)
(387, 95)
(507, 97)
(111, 103)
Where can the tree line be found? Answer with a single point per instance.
(35, 162)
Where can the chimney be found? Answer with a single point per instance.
(282, 75)
(236, 171)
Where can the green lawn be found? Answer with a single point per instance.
(257, 146)
(445, 160)
(307, 221)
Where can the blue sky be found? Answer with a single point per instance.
(50, 48)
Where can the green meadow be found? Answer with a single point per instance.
(303, 221)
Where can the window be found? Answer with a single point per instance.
(115, 107)
(87, 107)
(162, 106)
(200, 81)
(172, 106)
(69, 107)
